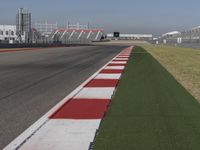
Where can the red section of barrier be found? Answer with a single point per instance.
(111, 71)
(82, 109)
(103, 83)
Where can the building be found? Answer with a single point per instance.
(23, 25)
(8, 34)
(130, 36)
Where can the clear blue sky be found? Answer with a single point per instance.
(128, 16)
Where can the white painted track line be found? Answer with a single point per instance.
(108, 76)
(95, 93)
(62, 134)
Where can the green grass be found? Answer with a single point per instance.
(150, 111)
(182, 63)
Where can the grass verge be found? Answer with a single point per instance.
(150, 111)
(182, 63)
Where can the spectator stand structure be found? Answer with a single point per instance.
(76, 34)
(190, 36)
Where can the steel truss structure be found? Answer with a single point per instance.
(46, 28)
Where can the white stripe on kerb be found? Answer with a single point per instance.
(123, 56)
(119, 62)
(96, 93)
(121, 59)
(62, 134)
(115, 67)
(108, 76)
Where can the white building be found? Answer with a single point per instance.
(131, 36)
(8, 34)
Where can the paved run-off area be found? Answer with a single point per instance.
(150, 110)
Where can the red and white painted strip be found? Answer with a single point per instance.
(72, 124)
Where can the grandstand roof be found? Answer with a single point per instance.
(171, 33)
(79, 30)
(198, 27)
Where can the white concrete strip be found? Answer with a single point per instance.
(108, 76)
(62, 134)
(119, 62)
(115, 67)
(96, 93)
(121, 59)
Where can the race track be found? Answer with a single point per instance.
(32, 82)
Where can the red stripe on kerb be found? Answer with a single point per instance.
(82, 109)
(116, 64)
(111, 71)
(103, 83)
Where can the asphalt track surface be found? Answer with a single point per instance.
(32, 82)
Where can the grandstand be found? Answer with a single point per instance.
(76, 35)
(187, 36)
(191, 34)
(72, 34)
